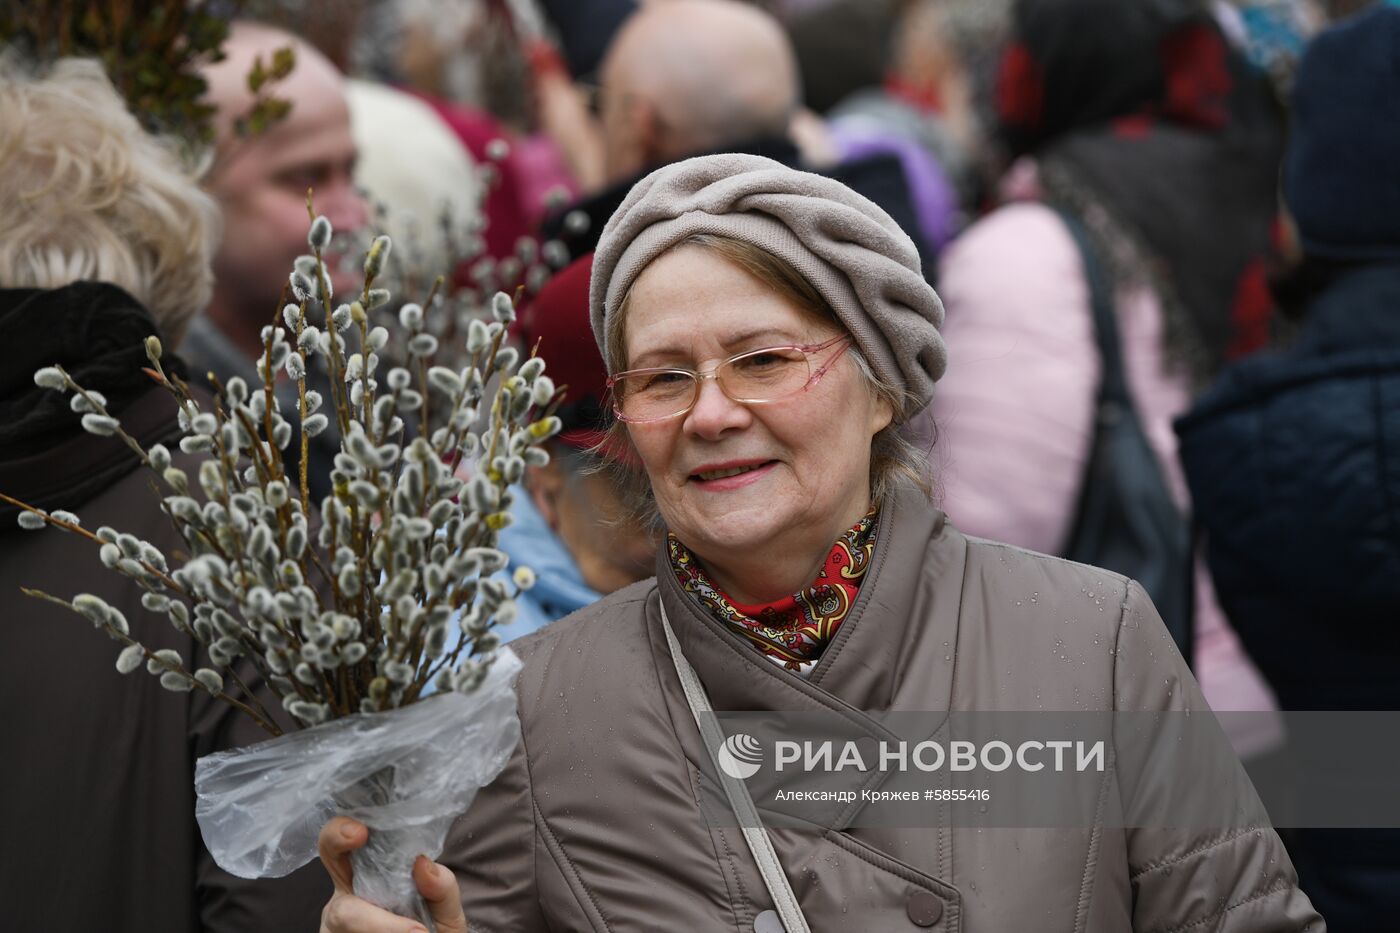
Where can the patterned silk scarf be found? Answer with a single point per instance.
(794, 630)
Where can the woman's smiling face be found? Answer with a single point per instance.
(806, 458)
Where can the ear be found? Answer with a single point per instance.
(545, 484)
(650, 133)
(881, 413)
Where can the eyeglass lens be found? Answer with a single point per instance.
(761, 376)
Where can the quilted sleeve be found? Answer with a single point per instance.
(1202, 854)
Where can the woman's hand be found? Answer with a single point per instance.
(346, 913)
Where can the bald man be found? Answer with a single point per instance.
(260, 183)
(688, 77)
(691, 76)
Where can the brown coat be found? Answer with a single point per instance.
(97, 789)
(595, 824)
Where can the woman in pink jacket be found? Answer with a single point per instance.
(1144, 127)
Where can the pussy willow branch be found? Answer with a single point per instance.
(274, 455)
(301, 410)
(99, 409)
(341, 404)
(265, 722)
(83, 532)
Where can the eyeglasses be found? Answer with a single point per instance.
(640, 396)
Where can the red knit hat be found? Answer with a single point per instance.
(558, 319)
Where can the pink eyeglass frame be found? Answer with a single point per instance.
(700, 377)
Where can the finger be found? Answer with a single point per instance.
(349, 914)
(338, 839)
(438, 885)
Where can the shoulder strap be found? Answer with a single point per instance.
(1113, 386)
(1117, 422)
(784, 900)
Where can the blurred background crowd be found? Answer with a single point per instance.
(1166, 233)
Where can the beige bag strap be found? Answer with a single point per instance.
(789, 911)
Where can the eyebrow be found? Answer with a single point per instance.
(317, 163)
(780, 338)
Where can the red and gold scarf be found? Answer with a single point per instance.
(792, 631)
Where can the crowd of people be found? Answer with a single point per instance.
(1148, 251)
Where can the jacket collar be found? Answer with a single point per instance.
(72, 472)
(94, 330)
(896, 618)
(879, 659)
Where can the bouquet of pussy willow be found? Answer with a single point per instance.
(371, 612)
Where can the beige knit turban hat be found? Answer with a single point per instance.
(852, 252)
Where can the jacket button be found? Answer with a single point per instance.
(924, 909)
(768, 922)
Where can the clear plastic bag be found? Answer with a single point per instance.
(406, 774)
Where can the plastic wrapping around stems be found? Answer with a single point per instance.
(406, 774)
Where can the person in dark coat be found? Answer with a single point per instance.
(106, 242)
(1291, 456)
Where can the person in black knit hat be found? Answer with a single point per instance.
(1291, 455)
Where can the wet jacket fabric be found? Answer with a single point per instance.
(1291, 459)
(97, 790)
(596, 823)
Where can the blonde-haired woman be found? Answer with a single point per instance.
(89, 196)
(106, 240)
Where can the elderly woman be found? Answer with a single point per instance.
(767, 332)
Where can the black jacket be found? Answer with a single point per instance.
(97, 794)
(1294, 465)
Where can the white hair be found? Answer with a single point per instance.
(90, 196)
